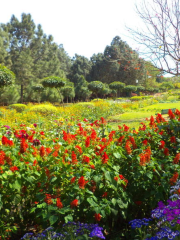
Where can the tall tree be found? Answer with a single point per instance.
(30, 54)
(80, 66)
(160, 34)
(125, 61)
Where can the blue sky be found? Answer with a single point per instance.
(82, 26)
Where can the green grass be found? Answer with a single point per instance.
(134, 118)
(160, 106)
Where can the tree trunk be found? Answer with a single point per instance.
(22, 93)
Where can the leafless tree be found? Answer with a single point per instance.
(160, 39)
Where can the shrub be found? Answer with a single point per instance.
(136, 98)
(18, 107)
(86, 104)
(44, 109)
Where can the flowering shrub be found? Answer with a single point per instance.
(85, 171)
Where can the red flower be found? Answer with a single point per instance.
(138, 203)
(23, 146)
(92, 166)
(171, 115)
(74, 158)
(104, 194)
(79, 149)
(74, 203)
(151, 121)
(133, 142)
(116, 178)
(120, 139)
(162, 144)
(48, 199)
(86, 159)
(2, 156)
(145, 142)
(103, 121)
(177, 158)
(73, 179)
(93, 134)
(87, 142)
(173, 139)
(128, 147)
(82, 182)
(59, 203)
(105, 158)
(14, 168)
(166, 151)
(97, 216)
(111, 134)
(42, 151)
(121, 176)
(174, 178)
(126, 128)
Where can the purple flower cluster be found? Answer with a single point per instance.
(138, 223)
(165, 233)
(69, 229)
(167, 216)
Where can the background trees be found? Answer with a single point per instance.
(34, 57)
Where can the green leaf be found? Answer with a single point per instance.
(53, 179)
(17, 185)
(113, 201)
(149, 175)
(42, 205)
(114, 211)
(117, 155)
(53, 219)
(108, 176)
(68, 218)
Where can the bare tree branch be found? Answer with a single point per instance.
(161, 38)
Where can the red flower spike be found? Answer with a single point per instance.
(97, 216)
(74, 203)
(82, 182)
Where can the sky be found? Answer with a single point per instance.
(84, 27)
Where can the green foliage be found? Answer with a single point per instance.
(18, 107)
(53, 82)
(96, 87)
(136, 98)
(130, 88)
(44, 109)
(7, 77)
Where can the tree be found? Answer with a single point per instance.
(129, 89)
(81, 88)
(80, 66)
(96, 87)
(118, 63)
(54, 82)
(30, 54)
(161, 37)
(7, 77)
(118, 86)
(125, 61)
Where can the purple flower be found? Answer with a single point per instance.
(8, 127)
(35, 124)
